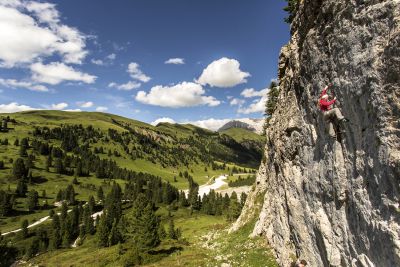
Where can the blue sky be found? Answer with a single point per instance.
(113, 56)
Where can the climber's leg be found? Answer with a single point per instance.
(337, 113)
(331, 130)
(328, 120)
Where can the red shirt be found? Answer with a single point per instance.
(323, 104)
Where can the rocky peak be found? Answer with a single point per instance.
(254, 125)
(356, 46)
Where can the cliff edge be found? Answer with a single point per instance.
(355, 44)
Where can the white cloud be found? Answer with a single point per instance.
(211, 124)
(237, 102)
(176, 61)
(23, 84)
(185, 94)
(85, 104)
(164, 119)
(258, 106)
(250, 92)
(73, 110)
(101, 109)
(56, 72)
(30, 30)
(98, 62)
(14, 107)
(224, 72)
(136, 73)
(107, 61)
(125, 86)
(111, 56)
(45, 12)
(59, 106)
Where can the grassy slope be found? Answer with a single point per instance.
(240, 134)
(194, 227)
(199, 250)
(52, 182)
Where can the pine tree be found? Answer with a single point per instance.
(56, 239)
(102, 232)
(60, 195)
(32, 200)
(88, 221)
(22, 188)
(234, 208)
(24, 229)
(22, 151)
(64, 212)
(70, 194)
(143, 224)
(67, 232)
(114, 236)
(19, 170)
(33, 248)
(291, 8)
(78, 169)
(58, 165)
(91, 204)
(5, 203)
(171, 229)
(100, 194)
(49, 163)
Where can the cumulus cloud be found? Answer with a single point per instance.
(125, 86)
(258, 106)
(59, 106)
(250, 92)
(237, 102)
(164, 119)
(98, 62)
(14, 107)
(176, 61)
(108, 60)
(211, 124)
(85, 104)
(136, 73)
(185, 94)
(11, 83)
(73, 110)
(101, 109)
(31, 30)
(223, 72)
(56, 72)
(111, 56)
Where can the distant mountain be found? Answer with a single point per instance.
(254, 125)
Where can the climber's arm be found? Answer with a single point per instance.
(325, 90)
(327, 103)
(331, 102)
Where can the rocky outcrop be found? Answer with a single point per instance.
(254, 125)
(355, 44)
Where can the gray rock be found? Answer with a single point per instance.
(356, 45)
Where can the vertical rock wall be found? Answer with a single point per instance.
(355, 44)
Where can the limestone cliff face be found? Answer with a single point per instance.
(355, 44)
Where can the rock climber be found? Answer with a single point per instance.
(331, 115)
